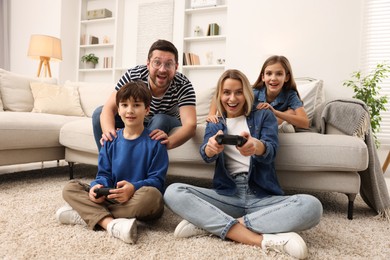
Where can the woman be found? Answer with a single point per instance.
(246, 203)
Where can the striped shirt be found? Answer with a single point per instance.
(180, 92)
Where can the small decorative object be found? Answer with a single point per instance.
(90, 60)
(203, 3)
(106, 39)
(367, 90)
(220, 61)
(98, 13)
(213, 29)
(93, 39)
(209, 57)
(197, 31)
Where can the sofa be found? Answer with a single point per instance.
(43, 121)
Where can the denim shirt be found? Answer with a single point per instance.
(262, 176)
(285, 100)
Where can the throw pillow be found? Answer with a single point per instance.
(16, 92)
(54, 99)
(312, 94)
(92, 94)
(203, 100)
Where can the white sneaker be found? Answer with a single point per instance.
(67, 215)
(186, 229)
(286, 127)
(289, 243)
(123, 228)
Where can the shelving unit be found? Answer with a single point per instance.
(209, 48)
(109, 29)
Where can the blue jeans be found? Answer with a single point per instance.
(216, 213)
(159, 121)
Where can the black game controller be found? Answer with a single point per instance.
(102, 192)
(231, 139)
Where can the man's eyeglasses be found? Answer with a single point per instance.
(156, 64)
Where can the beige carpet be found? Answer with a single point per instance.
(28, 228)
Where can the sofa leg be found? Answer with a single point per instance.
(71, 165)
(351, 199)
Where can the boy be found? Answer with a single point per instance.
(133, 165)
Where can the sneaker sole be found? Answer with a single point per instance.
(179, 228)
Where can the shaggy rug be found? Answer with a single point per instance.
(29, 229)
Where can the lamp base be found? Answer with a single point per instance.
(46, 62)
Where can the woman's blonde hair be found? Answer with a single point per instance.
(246, 86)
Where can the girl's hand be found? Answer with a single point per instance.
(212, 119)
(92, 194)
(124, 192)
(265, 105)
(212, 148)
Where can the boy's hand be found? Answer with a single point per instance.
(124, 191)
(92, 194)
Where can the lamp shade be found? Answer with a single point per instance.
(45, 46)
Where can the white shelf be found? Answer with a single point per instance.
(218, 8)
(110, 29)
(205, 38)
(93, 46)
(101, 20)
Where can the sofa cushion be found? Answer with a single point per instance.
(54, 99)
(78, 135)
(92, 95)
(203, 100)
(318, 152)
(312, 94)
(16, 92)
(23, 130)
(1, 103)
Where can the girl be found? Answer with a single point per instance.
(275, 89)
(246, 203)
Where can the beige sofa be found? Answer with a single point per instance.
(41, 121)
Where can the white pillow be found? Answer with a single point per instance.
(203, 100)
(92, 95)
(53, 99)
(312, 94)
(16, 92)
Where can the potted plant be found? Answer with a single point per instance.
(367, 89)
(90, 60)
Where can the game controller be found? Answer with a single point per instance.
(231, 139)
(102, 192)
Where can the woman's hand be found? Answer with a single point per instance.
(253, 146)
(212, 148)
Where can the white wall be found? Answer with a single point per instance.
(320, 38)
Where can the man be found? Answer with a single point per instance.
(173, 100)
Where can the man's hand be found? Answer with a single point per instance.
(158, 134)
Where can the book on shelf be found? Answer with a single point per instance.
(107, 62)
(190, 58)
(213, 29)
(91, 39)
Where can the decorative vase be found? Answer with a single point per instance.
(89, 65)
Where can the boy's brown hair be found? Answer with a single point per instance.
(136, 90)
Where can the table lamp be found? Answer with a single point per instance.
(45, 48)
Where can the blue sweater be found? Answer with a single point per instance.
(142, 162)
